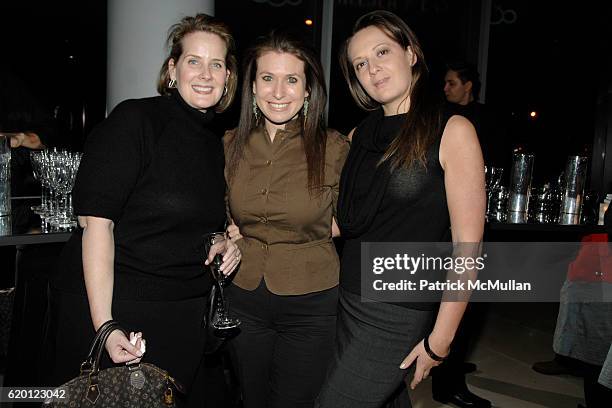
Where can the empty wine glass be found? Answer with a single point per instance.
(62, 170)
(36, 159)
(493, 177)
(216, 241)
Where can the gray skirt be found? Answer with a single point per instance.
(372, 340)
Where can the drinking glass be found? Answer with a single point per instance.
(520, 187)
(215, 241)
(36, 158)
(493, 177)
(576, 170)
(63, 169)
(5, 175)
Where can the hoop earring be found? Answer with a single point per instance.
(255, 110)
(225, 90)
(305, 109)
(172, 83)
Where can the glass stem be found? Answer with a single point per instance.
(52, 202)
(221, 302)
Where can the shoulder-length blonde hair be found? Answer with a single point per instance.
(207, 24)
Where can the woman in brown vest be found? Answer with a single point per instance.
(283, 169)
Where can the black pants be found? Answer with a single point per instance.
(449, 377)
(284, 347)
(372, 340)
(173, 331)
(595, 394)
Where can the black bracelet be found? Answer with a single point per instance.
(431, 354)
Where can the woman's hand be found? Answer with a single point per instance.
(233, 232)
(231, 256)
(121, 350)
(424, 363)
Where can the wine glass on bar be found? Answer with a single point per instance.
(493, 177)
(216, 241)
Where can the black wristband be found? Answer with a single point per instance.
(431, 354)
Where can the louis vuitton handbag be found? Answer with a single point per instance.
(129, 386)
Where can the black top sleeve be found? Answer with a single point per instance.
(111, 164)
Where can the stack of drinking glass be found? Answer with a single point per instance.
(56, 170)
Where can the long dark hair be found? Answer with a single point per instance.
(424, 115)
(313, 131)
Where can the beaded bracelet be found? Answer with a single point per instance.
(432, 355)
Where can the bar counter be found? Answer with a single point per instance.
(23, 227)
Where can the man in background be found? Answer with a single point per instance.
(461, 87)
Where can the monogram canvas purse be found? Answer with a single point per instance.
(136, 385)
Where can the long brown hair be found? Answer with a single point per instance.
(313, 131)
(424, 115)
(207, 24)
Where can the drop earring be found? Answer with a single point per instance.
(305, 109)
(255, 110)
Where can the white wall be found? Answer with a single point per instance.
(136, 33)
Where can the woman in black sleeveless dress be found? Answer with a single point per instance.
(412, 175)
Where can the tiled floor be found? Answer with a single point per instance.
(514, 337)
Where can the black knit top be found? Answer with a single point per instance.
(380, 205)
(155, 169)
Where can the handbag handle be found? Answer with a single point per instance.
(93, 359)
(87, 365)
(92, 362)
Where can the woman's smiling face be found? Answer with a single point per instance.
(200, 71)
(279, 87)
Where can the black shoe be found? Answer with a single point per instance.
(554, 367)
(468, 367)
(463, 399)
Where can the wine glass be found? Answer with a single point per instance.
(36, 158)
(493, 177)
(216, 241)
(63, 170)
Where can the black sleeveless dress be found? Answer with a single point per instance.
(380, 205)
